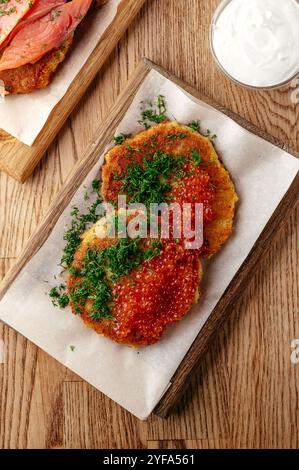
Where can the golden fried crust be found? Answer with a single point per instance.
(219, 228)
(32, 77)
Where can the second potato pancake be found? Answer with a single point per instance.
(131, 290)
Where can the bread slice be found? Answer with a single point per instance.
(32, 77)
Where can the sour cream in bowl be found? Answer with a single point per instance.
(256, 42)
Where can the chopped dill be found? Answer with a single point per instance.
(194, 125)
(196, 157)
(118, 140)
(150, 182)
(95, 185)
(59, 297)
(154, 113)
(79, 224)
(146, 182)
(55, 14)
(103, 268)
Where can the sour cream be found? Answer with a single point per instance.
(256, 42)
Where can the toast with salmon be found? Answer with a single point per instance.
(35, 40)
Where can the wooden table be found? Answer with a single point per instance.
(245, 393)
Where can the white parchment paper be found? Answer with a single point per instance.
(137, 379)
(24, 116)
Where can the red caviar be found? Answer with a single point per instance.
(152, 296)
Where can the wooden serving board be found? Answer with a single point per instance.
(19, 160)
(233, 292)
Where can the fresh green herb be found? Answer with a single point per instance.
(102, 268)
(72, 270)
(118, 140)
(8, 12)
(59, 297)
(196, 157)
(95, 185)
(154, 250)
(116, 176)
(181, 174)
(161, 104)
(150, 182)
(78, 226)
(55, 14)
(156, 113)
(175, 136)
(208, 134)
(79, 295)
(194, 125)
(132, 149)
(172, 136)
(123, 257)
(101, 300)
(93, 287)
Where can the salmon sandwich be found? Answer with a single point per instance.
(35, 37)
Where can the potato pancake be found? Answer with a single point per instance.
(129, 290)
(209, 183)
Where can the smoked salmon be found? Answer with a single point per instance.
(31, 77)
(11, 12)
(44, 34)
(39, 9)
(37, 74)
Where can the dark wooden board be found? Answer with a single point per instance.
(225, 305)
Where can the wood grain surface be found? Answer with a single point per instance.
(245, 393)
